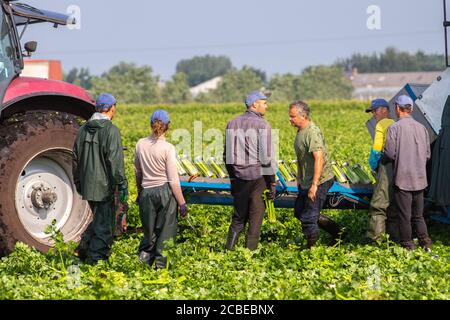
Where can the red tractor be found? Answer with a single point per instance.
(39, 119)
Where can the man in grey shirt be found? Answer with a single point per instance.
(408, 145)
(250, 162)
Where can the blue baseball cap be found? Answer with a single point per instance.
(404, 100)
(254, 96)
(376, 104)
(105, 101)
(161, 115)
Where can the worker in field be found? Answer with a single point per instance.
(315, 176)
(408, 146)
(159, 190)
(382, 197)
(98, 169)
(250, 161)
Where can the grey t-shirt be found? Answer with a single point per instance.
(408, 144)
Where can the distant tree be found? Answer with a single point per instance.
(80, 77)
(202, 68)
(261, 74)
(324, 82)
(392, 60)
(176, 90)
(284, 87)
(234, 86)
(128, 83)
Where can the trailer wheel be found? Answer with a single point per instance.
(36, 184)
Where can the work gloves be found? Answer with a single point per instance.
(374, 159)
(183, 210)
(123, 195)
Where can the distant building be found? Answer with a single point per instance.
(47, 69)
(368, 86)
(205, 86)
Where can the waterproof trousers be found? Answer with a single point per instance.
(158, 212)
(383, 213)
(96, 241)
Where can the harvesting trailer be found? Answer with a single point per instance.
(39, 119)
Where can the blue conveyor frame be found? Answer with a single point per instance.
(217, 192)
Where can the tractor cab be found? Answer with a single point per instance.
(12, 16)
(10, 55)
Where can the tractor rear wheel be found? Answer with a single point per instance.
(36, 184)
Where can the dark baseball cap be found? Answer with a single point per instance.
(376, 104)
(105, 101)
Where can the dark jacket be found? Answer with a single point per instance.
(98, 162)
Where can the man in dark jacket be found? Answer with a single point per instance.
(98, 169)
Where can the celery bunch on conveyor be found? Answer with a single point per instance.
(293, 167)
(203, 168)
(188, 166)
(363, 176)
(285, 172)
(351, 175)
(216, 168)
(339, 173)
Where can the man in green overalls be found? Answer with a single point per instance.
(98, 169)
(382, 198)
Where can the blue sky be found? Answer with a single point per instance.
(276, 36)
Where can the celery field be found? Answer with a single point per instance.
(281, 267)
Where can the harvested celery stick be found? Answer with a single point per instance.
(216, 168)
(270, 207)
(340, 175)
(286, 174)
(188, 166)
(349, 173)
(180, 168)
(203, 168)
(293, 167)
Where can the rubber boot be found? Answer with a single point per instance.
(311, 240)
(327, 224)
(251, 242)
(81, 251)
(146, 257)
(377, 226)
(232, 239)
(426, 243)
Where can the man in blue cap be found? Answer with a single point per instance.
(250, 162)
(382, 197)
(98, 169)
(408, 146)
